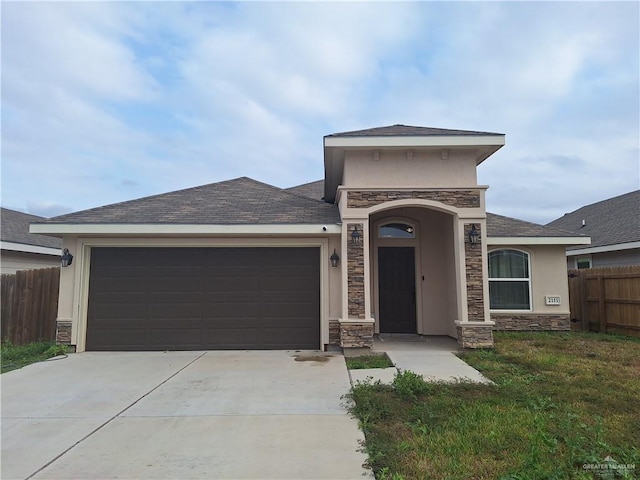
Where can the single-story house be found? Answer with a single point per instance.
(395, 239)
(614, 228)
(21, 250)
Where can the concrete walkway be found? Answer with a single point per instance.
(180, 415)
(431, 357)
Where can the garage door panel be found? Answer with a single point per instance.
(231, 337)
(287, 310)
(228, 284)
(120, 285)
(275, 338)
(136, 308)
(157, 299)
(125, 257)
(118, 325)
(237, 307)
(173, 337)
(186, 323)
(203, 298)
(133, 338)
(219, 322)
(289, 285)
(171, 284)
(191, 317)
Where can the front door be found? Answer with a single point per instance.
(397, 289)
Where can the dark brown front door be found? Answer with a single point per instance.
(204, 298)
(397, 289)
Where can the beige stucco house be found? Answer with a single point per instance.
(395, 239)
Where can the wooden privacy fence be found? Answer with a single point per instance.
(606, 299)
(29, 305)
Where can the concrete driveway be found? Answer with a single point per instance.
(180, 415)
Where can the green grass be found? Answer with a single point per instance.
(559, 401)
(13, 356)
(368, 361)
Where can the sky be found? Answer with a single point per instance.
(104, 102)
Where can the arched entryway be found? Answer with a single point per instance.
(413, 276)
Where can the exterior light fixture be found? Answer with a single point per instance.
(66, 259)
(356, 236)
(335, 259)
(474, 235)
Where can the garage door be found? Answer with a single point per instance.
(204, 298)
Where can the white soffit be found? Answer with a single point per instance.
(174, 229)
(23, 247)
(538, 240)
(604, 248)
(415, 141)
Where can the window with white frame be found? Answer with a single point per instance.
(509, 280)
(583, 262)
(396, 230)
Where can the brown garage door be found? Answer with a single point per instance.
(204, 298)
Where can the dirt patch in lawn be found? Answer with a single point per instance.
(312, 358)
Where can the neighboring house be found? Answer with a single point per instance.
(614, 228)
(395, 239)
(21, 250)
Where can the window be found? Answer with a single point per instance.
(396, 230)
(583, 262)
(509, 282)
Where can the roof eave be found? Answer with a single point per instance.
(60, 229)
(565, 241)
(603, 248)
(26, 248)
(417, 141)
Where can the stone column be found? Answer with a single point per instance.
(67, 306)
(476, 331)
(355, 272)
(473, 271)
(356, 331)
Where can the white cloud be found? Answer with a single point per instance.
(129, 99)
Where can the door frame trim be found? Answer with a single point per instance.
(84, 246)
(397, 242)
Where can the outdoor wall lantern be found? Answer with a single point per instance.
(356, 236)
(66, 259)
(474, 235)
(335, 259)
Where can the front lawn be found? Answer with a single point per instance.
(14, 356)
(561, 404)
(379, 360)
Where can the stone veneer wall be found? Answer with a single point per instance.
(356, 335)
(475, 336)
(454, 198)
(355, 272)
(334, 332)
(510, 321)
(63, 333)
(473, 268)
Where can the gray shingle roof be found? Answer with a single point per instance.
(313, 190)
(609, 222)
(233, 202)
(409, 131)
(15, 228)
(500, 226)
